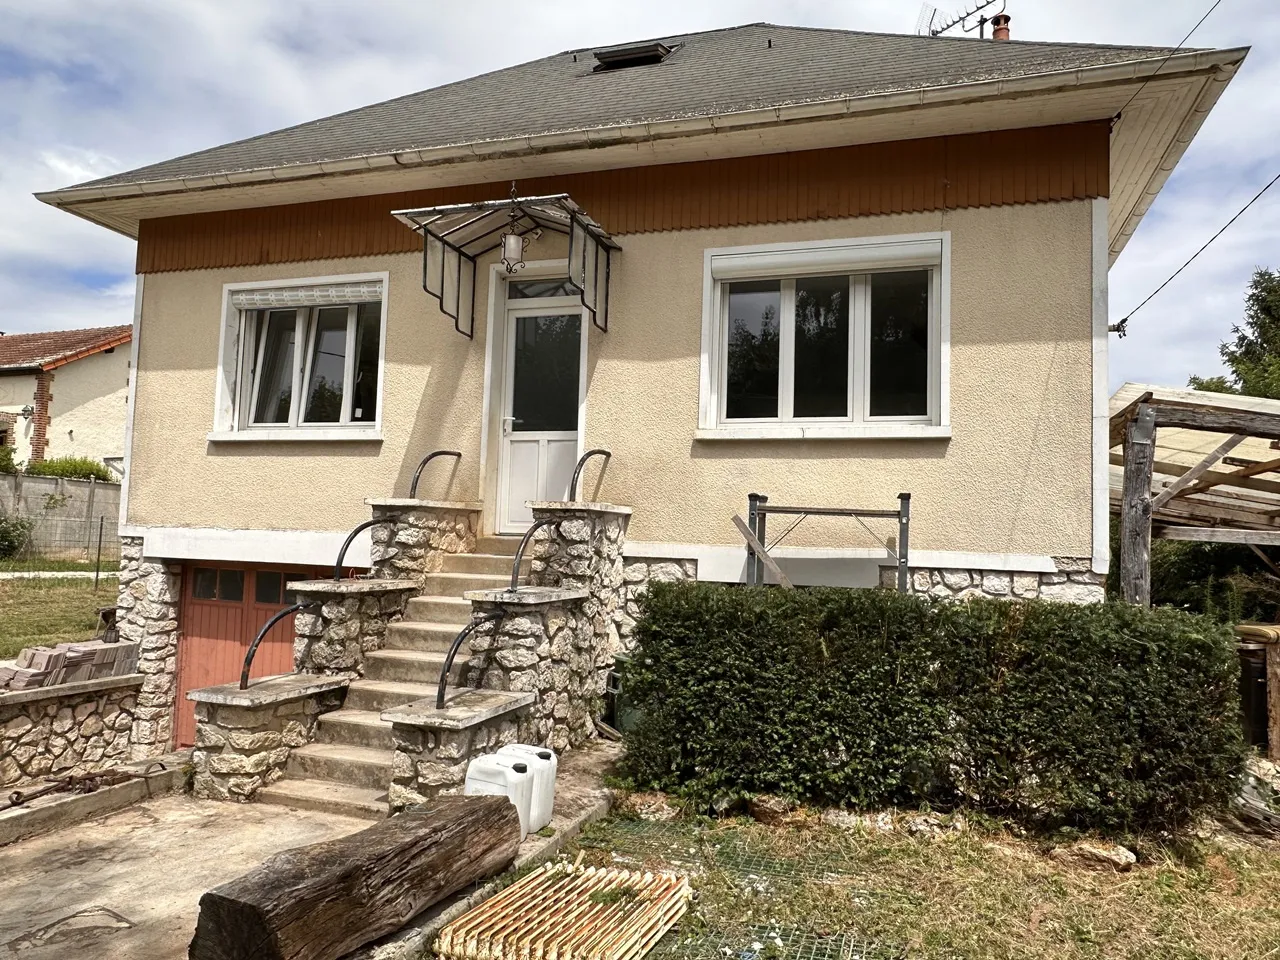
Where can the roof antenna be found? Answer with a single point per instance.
(932, 22)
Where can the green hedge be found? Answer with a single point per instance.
(72, 468)
(1109, 716)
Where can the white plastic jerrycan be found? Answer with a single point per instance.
(542, 763)
(510, 777)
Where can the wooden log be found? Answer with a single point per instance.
(1135, 507)
(1177, 470)
(1268, 538)
(1216, 419)
(1180, 485)
(1273, 701)
(321, 901)
(1120, 419)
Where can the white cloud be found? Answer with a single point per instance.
(90, 88)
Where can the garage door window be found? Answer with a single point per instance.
(211, 584)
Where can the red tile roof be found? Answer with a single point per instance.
(53, 348)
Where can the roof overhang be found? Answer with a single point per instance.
(1173, 96)
(456, 235)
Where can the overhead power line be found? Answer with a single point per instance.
(1121, 328)
(1168, 56)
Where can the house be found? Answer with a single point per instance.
(63, 394)
(822, 265)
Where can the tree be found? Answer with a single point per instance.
(1253, 357)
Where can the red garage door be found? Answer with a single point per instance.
(223, 608)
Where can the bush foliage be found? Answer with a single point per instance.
(14, 532)
(72, 468)
(1108, 717)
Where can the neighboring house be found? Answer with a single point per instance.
(64, 393)
(822, 265)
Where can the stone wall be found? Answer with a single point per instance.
(582, 550)
(418, 534)
(637, 574)
(543, 645)
(244, 746)
(432, 752)
(348, 619)
(1073, 582)
(72, 728)
(147, 611)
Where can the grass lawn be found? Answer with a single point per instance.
(109, 564)
(49, 611)
(814, 891)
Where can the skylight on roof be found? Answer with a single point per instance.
(632, 55)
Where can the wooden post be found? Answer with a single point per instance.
(1135, 507)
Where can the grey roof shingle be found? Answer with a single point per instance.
(719, 71)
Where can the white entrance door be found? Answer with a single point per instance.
(542, 397)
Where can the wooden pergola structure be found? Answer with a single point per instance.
(1193, 466)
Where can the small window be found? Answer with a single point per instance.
(210, 584)
(533, 289)
(231, 585)
(204, 584)
(311, 366)
(267, 586)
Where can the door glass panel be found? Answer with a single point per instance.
(525, 289)
(204, 584)
(900, 344)
(753, 350)
(275, 372)
(231, 585)
(364, 403)
(328, 361)
(266, 587)
(822, 347)
(544, 393)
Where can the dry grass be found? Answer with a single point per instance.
(49, 611)
(963, 894)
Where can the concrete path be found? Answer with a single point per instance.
(126, 886)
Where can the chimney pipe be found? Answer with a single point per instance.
(1000, 26)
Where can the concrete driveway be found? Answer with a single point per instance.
(127, 886)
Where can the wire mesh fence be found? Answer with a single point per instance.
(52, 525)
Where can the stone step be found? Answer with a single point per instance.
(502, 546)
(492, 564)
(456, 584)
(439, 610)
(367, 767)
(381, 694)
(327, 796)
(425, 637)
(357, 728)
(411, 666)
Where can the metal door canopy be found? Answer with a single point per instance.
(456, 235)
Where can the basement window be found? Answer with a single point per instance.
(835, 339)
(302, 361)
(631, 55)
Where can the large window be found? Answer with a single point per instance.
(302, 361)
(803, 336)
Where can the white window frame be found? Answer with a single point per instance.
(787, 262)
(234, 393)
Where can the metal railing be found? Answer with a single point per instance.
(359, 528)
(266, 628)
(524, 542)
(582, 462)
(454, 647)
(759, 508)
(417, 474)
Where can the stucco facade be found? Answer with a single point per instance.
(1013, 478)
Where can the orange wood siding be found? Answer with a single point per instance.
(1068, 162)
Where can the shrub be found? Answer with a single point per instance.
(1108, 717)
(6, 460)
(14, 532)
(72, 468)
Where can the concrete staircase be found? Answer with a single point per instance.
(348, 767)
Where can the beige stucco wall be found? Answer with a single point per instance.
(18, 391)
(1014, 477)
(90, 400)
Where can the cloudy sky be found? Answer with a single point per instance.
(91, 87)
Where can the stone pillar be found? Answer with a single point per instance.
(542, 645)
(582, 550)
(637, 574)
(1073, 581)
(433, 747)
(243, 737)
(347, 620)
(418, 534)
(147, 612)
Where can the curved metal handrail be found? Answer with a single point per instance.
(453, 652)
(417, 474)
(582, 462)
(360, 527)
(266, 628)
(524, 542)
